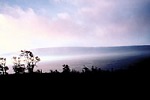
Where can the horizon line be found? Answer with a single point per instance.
(90, 46)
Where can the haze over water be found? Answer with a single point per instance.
(79, 57)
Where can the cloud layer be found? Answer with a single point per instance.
(73, 23)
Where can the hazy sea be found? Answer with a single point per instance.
(115, 59)
(105, 61)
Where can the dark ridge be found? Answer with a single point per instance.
(89, 50)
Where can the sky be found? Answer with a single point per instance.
(27, 24)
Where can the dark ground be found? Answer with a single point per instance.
(94, 83)
(138, 72)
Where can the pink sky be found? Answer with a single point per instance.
(73, 23)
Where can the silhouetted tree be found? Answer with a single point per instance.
(66, 68)
(3, 67)
(6, 69)
(56, 71)
(26, 60)
(39, 71)
(85, 69)
(30, 60)
(94, 69)
(18, 67)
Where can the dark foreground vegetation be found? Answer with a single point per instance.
(90, 81)
(137, 71)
